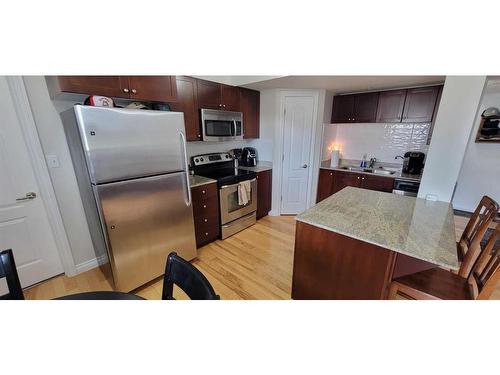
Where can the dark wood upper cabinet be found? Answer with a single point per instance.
(365, 107)
(186, 102)
(391, 105)
(264, 192)
(150, 88)
(153, 88)
(209, 94)
(250, 107)
(230, 98)
(420, 104)
(115, 86)
(343, 109)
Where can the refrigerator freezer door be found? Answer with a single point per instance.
(120, 144)
(145, 219)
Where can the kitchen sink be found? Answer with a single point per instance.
(380, 170)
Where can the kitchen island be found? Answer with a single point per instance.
(352, 244)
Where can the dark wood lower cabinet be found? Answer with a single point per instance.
(264, 193)
(206, 213)
(329, 265)
(332, 181)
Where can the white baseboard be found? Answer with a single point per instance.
(91, 263)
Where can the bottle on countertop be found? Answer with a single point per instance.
(363, 163)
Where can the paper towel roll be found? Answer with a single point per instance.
(334, 163)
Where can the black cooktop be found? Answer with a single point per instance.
(217, 167)
(228, 176)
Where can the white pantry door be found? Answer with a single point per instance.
(24, 226)
(297, 132)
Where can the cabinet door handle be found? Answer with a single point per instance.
(126, 90)
(204, 206)
(205, 220)
(203, 192)
(134, 91)
(331, 174)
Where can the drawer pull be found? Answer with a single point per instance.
(204, 206)
(203, 192)
(206, 233)
(205, 220)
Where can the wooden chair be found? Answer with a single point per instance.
(187, 277)
(438, 283)
(9, 271)
(468, 248)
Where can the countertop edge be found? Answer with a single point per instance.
(394, 176)
(455, 268)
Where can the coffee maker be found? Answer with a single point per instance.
(413, 162)
(249, 157)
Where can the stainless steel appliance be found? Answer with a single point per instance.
(249, 157)
(233, 216)
(132, 171)
(221, 126)
(406, 187)
(413, 162)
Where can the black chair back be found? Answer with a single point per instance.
(187, 277)
(9, 271)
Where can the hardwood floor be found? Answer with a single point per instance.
(253, 264)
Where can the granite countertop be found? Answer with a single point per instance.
(261, 166)
(195, 180)
(325, 164)
(412, 226)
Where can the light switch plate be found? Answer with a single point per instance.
(53, 161)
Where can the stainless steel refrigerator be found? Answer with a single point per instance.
(132, 171)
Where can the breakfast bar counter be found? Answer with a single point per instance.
(352, 244)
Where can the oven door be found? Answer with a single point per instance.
(229, 208)
(221, 125)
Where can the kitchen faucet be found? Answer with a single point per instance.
(399, 156)
(372, 162)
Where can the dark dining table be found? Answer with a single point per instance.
(104, 295)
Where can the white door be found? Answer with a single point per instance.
(24, 226)
(297, 133)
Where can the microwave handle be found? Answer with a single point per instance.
(234, 127)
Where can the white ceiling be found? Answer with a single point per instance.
(340, 84)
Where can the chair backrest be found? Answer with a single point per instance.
(9, 271)
(469, 244)
(485, 273)
(187, 277)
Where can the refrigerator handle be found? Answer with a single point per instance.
(186, 168)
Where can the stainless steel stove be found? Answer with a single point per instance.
(221, 167)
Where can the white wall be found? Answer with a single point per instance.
(53, 140)
(381, 141)
(480, 173)
(452, 128)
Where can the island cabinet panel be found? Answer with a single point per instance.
(377, 183)
(390, 106)
(250, 107)
(264, 193)
(328, 265)
(325, 184)
(420, 104)
(206, 213)
(187, 103)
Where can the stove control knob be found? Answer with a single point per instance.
(201, 159)
(196, 160)
(227, 156)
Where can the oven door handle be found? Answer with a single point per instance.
(228, 186)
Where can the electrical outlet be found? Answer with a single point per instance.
(53, 161)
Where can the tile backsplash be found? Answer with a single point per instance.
(381, 141)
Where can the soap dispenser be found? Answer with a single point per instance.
(363, 162)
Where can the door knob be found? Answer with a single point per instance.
(304, 166)
(28, 196)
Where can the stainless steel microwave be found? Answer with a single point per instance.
(221, 126)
